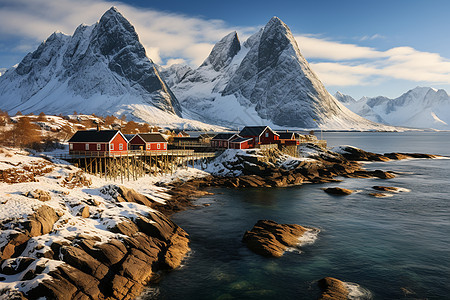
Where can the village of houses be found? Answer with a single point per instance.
(114, 142)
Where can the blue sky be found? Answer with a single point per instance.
(361, 48)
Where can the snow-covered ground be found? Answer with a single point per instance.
(104, 211)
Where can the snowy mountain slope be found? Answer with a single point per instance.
(265, 80)
(421, 107)
(2, 71)
(101, 69)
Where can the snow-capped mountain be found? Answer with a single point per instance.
(265, 80)
(421, 107)
(101, 69)
(2, 71)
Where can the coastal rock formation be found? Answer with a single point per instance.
(332, 289)
(386, 188)
(86, 266)
(338, 191)
(271, 239)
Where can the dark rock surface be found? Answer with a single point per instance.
(338, 191)
(271, 239)
(332, 289)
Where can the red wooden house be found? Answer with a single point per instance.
(154, 141)
(101, 141)
(260, 135)
(289, 138)
(241, 143)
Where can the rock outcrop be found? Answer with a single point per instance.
(338, 191)
(271, 239)
(86, 266)
(332, 289)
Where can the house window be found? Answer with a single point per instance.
(267, 134)
(120, 146)
(148, 146)
(70, 146)
(99, 147)
(164, 146)
(158, 146)
(111, 147)
(87, 147)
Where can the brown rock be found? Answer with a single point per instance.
(15, 245)
(332, 289)
(378, 195)
(41, 221)
(39, 195)
(78, 258)
(84, 212)
(130, 195)
(56, 288)
(338, 191)
(177, 250)
(85, 283)
(385, 188)
(269, 238)
(137, 266)
(126, 227)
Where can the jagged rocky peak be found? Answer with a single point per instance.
(113, 33)
(104, 62)
(223, 52)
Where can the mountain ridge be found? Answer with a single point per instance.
(421, 107)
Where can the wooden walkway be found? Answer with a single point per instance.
(132, 165)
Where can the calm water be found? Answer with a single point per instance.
(397, 247)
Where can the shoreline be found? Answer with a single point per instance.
(134, 234)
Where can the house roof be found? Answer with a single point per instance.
(254, 130)
(181, 131)
(206, 135)
(153, 137)
(93, 136)
(129, 136)
(240, 140)
(225, 136)
(286, 135)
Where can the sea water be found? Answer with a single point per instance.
(396, 247)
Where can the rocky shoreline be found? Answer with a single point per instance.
(110, 244)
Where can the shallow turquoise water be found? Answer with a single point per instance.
(386, 245)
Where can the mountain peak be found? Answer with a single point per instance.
(223, 52)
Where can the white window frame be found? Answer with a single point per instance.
(111, 147)
(86, 147)
(120, 147)
(99, 147)
(71, 146)
(148, 146)
(267, 134)
(158, 146)
(164, 146)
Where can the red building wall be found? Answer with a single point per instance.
(268, 137)
(154, 146)
(243, 145)
(116, 141)
(76, 147)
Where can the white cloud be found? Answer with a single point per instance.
(176, 38)
(340, 64)
(164, 35)
(371, 37)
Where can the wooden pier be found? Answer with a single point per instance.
(134, 164)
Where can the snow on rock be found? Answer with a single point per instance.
(421, 107)
(83, 221)
(265, 80)
(101, 69)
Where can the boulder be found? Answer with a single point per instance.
(39, 195)
(385, 188)
(332, 289)
(271, 239)
(41, 221)
(84, 212)
(15, 245)
(356, 154)
(338, 191)
(130, 195)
